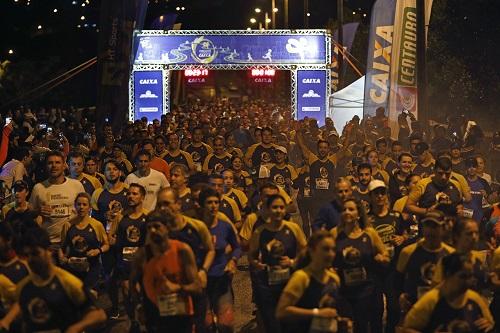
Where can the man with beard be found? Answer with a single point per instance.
(397, 186)
(176, 155)
(152, 180)
(322, 172)
(128, 238)
(55, 197)
(50, 298)
(76, 164)
(431, 191)
(179, 181)
(261, 153)
(110, 200)
(219, 160)
(166, 269)
(198, 149)
(329, 215)
(360, 190)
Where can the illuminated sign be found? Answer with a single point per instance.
(260, 72)
(195, 72)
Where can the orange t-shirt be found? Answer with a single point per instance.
(160, 165)
(169, 265)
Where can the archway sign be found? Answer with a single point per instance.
(305, 53)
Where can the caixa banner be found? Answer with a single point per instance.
(312, 94)
(239, 47)
(148, 94)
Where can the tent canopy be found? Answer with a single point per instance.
(346, 103)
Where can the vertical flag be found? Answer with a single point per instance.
(403, 95)
(378, 64)
(349, 31)
(118, 18)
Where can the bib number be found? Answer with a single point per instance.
(172, 305)
(278, 276)
(468, 212)
(129, 253)
(322, 184)
(354, 276)
(79, 264)
(323, 325)
(60, 211)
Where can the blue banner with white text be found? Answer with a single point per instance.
(148, 95)
(312, 94)
(378, 64)
(243, 48)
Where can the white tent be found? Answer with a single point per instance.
(346, 103)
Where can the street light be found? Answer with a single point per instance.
(39, 27)
(258, 10)
(11, 51)
(252, 20)
(275, 10)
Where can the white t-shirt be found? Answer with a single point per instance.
(61, 198)
(153, 183)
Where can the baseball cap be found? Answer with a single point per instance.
(421, 147)
(374, 184)
(281, 149)
(19, 185)
(434, 216)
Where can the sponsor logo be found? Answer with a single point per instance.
(203, 50)
(148, 109)
(148, 81)
(148, 94)
(311, 94)
(311, 81)
(311, 108)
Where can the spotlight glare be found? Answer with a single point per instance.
(82, 17)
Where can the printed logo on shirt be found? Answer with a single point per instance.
(195, 156)
(323, 172)
(279, 180)
(427, 272)
(79, 244)
(39, 311)
(133, 234)
(265, 157)
(352, 255)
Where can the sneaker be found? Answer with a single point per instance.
(115, 314)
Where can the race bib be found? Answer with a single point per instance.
(278, 276)
(422, 290)
(59, 211)
(172, 305)
(197, 166)
(354, 276)
(323, 325)
(322, 184)
(468, 212)
(129, 253)
(79, 264)
(307, 192)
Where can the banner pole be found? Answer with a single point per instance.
(340, 19)
(421, 64)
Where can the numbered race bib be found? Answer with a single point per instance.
(322, 184)
(307, 192)
(129, 253)
(468, 212)
(323, 325)
(172, 305)
(79, 264)
(422, 290)
(59, 211)
(354, 276)
(278, 276)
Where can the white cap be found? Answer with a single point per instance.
(281, 149)
(374, 184)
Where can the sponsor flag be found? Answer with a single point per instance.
(349, 32)
(378, 64)
(118, 18)
(404, 62)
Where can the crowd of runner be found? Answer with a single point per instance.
(338, 232)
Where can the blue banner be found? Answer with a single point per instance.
(235, 48)
(148, 95)
(312, 94)
(378, 64)
(349, 31)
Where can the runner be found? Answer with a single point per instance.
(76, 164)
(219, 160)
(198, 149)
(176, 155)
